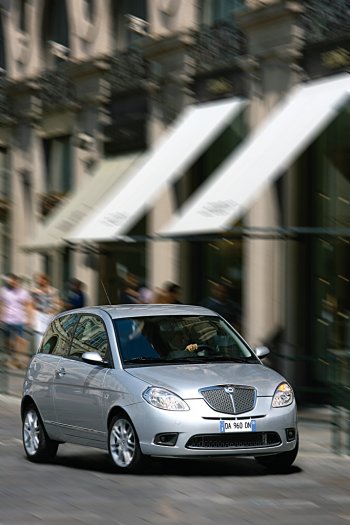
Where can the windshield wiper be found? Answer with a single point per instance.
(144, 360)
(232, 359)
(212, 359)
(189, 359)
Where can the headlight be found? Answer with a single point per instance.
(283, 396)
(164, 399)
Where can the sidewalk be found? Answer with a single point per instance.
(11, 383)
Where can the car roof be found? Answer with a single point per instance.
(142, 310)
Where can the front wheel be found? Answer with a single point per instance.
(37, 444)
(123, 445)
(279, 462)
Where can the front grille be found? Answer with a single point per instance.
(234, 441)
(230, 399)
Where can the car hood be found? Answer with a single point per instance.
(185, 380)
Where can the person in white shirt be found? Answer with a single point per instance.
(15, 314)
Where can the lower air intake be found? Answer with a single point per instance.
(234, 441)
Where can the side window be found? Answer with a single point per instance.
(133, 343)
(49, 346)
(58, 336)
(90, 336)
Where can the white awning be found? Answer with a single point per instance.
(180, 146)
(110, 174)
(261, 158)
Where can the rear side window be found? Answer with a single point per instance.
(90, 336)
(57, 338)
(50, 345)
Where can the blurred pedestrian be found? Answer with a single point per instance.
(130, 291)
(75, 297)
(173, 291)
(219, 301)
(160, 296)
(16, 314)
(146, 295)
(46, 302)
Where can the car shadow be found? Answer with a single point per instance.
(100, 462)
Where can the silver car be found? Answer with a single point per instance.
(155, 380)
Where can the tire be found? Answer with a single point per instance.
(123, 445)
(38, 447)
(279, 462)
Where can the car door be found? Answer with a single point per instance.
(78, 385)
(55, 345)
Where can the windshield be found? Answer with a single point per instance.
(179, 339)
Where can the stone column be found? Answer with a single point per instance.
(169, 94)
(274, 43)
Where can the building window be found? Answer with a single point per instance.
(27, 198)
(127, 129)
(5, 194)
(130, 20)
(5, 190)
(327, 259)
(2, 47)
(56, 29)
(88, 10)
(219, 150)
(221, 260)
(67, 265)
(58, 173)
(219, 10)
(58, 164)
(48, 265)
(4, 174)
(22, 20)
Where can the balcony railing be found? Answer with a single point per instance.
(128, 71)
(217, 47)
(56, 90)
(326, 20)
(6, 110)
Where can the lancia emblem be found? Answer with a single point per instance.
(230, 390)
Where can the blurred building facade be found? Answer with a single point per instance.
(86, 90)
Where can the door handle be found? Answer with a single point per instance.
(60, 372)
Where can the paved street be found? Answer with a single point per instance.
(80, 487)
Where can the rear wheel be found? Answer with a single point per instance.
(123, 445)
(279, 462)
(37, 444)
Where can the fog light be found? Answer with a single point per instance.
(167, 440)
(290, 434)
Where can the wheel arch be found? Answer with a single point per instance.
(25, 403)
(115, 411)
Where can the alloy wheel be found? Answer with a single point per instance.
(31, 432)
(122, 443)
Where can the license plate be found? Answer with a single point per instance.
(239, 425)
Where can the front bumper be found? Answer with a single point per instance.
(197, 431)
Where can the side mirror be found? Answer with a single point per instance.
(261, 351)
(93, 358)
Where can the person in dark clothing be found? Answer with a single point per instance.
(130, 291)
(172, 291)
(219, 301)
(75, 296)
